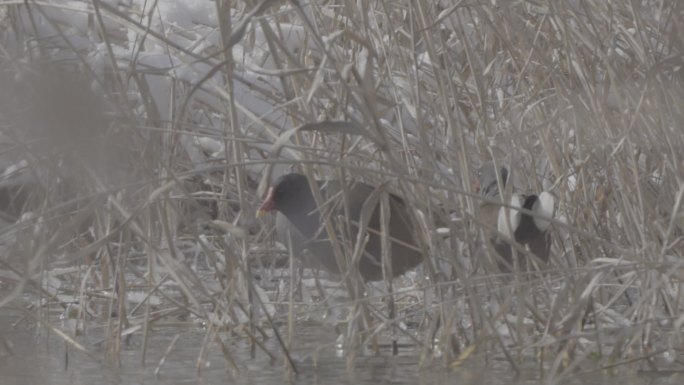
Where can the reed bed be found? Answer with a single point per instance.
(138, 141)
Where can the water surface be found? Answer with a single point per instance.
(32, 355)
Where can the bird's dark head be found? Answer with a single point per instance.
(289, 192)
(487, 184)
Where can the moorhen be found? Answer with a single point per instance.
(527, 230)
(300, 220)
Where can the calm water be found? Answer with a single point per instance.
(29, 356)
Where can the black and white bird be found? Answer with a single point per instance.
(529, 231)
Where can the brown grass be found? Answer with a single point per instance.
(583, 99)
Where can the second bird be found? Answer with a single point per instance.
(527, 230)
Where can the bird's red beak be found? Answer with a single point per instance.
(267, 205)
(476, 185)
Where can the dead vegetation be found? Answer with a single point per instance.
(135, 162)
